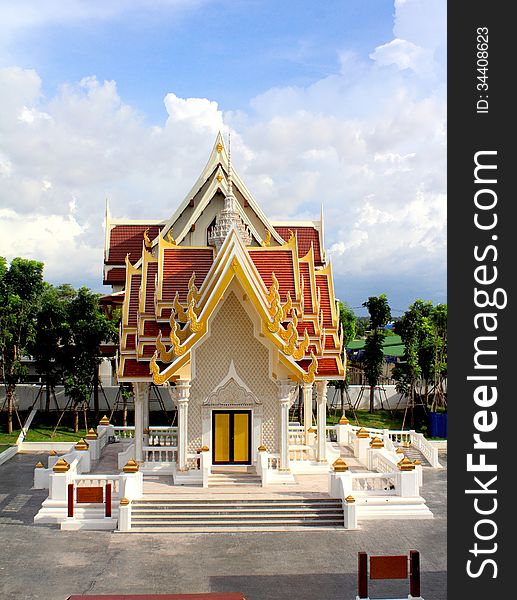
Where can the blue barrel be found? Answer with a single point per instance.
(438, 424)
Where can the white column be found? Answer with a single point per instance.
(182, 398)
(146, 407)
(307, 409)
(140, 390)
(284, 388)
(321, 391)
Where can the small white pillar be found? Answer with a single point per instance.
(321, 449)
(146, 408)
(307, 410)
(350, 513)
(361, 446)
(124, 515)
(182, 398)
(408, 484)
(132, 485)
(284, 390)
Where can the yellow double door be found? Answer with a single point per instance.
(231, 437)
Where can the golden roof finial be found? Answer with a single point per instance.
(170, 239)
(146, 238)
(267, 239)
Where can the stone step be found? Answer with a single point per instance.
(272, 513)
(237, 515)
(201, 524)
(264, 502)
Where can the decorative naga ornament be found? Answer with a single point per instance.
(181, 315)
(154, 369)
(291, 342)
(193, 294)
(195, 324)
(299, 353)
(310, 376)
(179, 350)
(164, 354)
(287, 306)
(267, 239)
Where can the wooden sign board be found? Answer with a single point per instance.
(90, 494)
(388, 567)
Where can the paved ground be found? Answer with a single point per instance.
(44, 563)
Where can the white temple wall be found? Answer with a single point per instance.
(231, 338)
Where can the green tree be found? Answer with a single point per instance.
(52, 333)
(89, 327)
(423, 329)
(348, 320)
(373, 358)
(21, 286)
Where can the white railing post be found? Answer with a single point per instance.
(339, 480)
(321, 391)
(182, 400)
(361, 445)
(307, 410)
(284, 390)
(408, 483)
(131, 485)
(124, 515)
(205, 464)
(262, 464)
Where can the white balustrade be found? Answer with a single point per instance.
(382, 484)
(427, 449)
(98, 480)
(166, 454)
(124, 433)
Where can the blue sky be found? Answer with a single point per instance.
(340, 103)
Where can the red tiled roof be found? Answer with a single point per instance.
(126, 239)
(151, 329)
(133, 299)
(152, 269)
(178, 266)
(133, 368)
(115, 275)
(322, 284)
(326, 366)
(130, 342)
(281, 263)
(304, 235)
(305, 325)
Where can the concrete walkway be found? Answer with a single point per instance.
(44, 563)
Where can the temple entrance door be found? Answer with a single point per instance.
(231, 437)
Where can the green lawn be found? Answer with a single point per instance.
(2, 447)
(380, 419)
(42, 433)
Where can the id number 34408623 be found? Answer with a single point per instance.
(482, 70)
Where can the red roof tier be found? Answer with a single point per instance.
(281, 263)
(116, 275)
(133, 368)
(305, 236)
(178, 265)
(133, 299)
(127, 239)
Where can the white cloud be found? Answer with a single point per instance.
(368, 142)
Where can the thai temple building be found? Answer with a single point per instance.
(234, 316)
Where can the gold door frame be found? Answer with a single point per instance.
(227, 425)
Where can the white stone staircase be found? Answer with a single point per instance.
(234, 478)
(253, 514)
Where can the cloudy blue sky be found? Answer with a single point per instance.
(341, 102)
